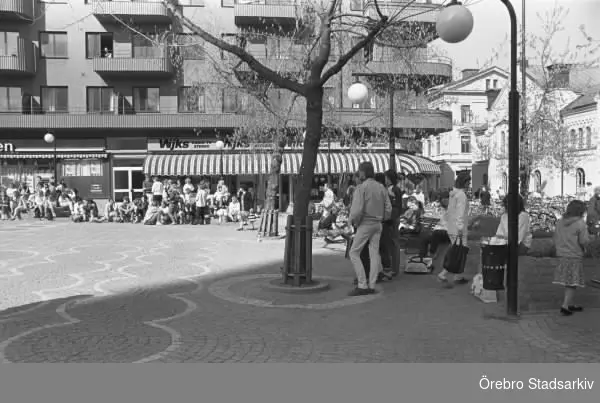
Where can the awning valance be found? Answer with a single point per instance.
(290, 164)
(206, 164)
(50, 155)
(414, 164)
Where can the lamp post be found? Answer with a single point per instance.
(49, 138)
(357, 93)
(220, 146)
(453, 25)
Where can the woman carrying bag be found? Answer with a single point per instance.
(453, 255)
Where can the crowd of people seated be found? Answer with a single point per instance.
(164, 202)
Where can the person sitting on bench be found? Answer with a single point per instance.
(410, 222)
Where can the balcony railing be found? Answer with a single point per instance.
(16, 10)
(142, 11)
(145, 60)
(118, 118)
(250, 12)
(434, 66)
(19, 61)
(409, 11)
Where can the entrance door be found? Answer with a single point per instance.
(127, 181)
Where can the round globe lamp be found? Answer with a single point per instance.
(454, 23)
(358, 93)
(49, 138)
(219, 145)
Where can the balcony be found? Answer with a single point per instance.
(138, 11)
(436, 70)
(145, 62)
(290, 65)
(409, 119)
(19, 62)
(16, 10)
(266, 12)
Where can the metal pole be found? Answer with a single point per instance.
(221, 164)
(55, 167)
(524, 139)
(329, 160)
(512, 275)
(392, 140)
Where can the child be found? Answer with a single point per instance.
(20, 206)
(165, 214)
(110, 211)
(125, 210)
(410, 222)
(570, 239)
(234, 210)
(78, 211)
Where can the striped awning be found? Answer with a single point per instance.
(206, 164)
(380, 161)
(414, 164)
(42, 156)
(334, 163)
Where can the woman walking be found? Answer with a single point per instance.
(570, 239)
(457, 218)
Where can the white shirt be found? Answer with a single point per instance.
(157, 188)
(525, 236)
(328, 198)
(10, 192)
(188, 186)
(420, 196)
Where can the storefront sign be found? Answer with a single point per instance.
(7, 148)
(96, 188)
(179, 144)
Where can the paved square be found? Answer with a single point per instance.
(133, 293)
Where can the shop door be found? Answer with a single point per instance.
(127, 181)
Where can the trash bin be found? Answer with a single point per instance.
(493, 266)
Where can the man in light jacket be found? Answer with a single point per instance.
(370, 207)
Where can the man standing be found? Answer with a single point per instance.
(157, 190)
(328, 197)
(370, 207)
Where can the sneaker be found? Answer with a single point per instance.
(565, 312)
(360, 292)
(575, 308)
(461, 280)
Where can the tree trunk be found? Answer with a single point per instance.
(273, 181)
(314, 122)
(562, 183)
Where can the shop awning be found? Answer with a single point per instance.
(290, 164)
(41, 156)
(414, 164)
(206, 164)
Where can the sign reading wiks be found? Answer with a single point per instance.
(7, 148)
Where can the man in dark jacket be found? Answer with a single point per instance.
(389, 248)
(593, 212)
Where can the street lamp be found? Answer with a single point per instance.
(454, 24)
(220, 146)
(49, 138)
(357, 93)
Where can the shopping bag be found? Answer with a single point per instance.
(456, 258)
(479, 292)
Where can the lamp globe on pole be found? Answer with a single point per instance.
(358, 93)
(454, 23)
(219, 145)
(49, 138)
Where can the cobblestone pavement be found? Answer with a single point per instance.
(132, 293)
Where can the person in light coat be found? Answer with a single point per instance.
(457, 220)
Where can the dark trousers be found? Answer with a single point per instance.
(199, 213)
(430, 240)
(389, 248)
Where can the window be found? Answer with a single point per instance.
(11, 99)
(487, 84)
(192, 3)
(55, 99)
(495, 83)
(503, 142)
(465, 144)
(227, 3)
(82, 168)
(537, 182)
(588, 137)
(99, 45)
(329, 97)
(438, 146)
(279, 48)
(53, 45)
(192, 99)
(9, 43)
(505, 182)
(146, 99)
(430, 148)
(465, 114)
(191, 47)
(230, 101)
(100, 100)
(580, 178)
(145, 47)
(573, 138)
(580, 139)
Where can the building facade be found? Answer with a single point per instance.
(125, 90)
(469, 100)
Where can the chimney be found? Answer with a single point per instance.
(466, 73)
(559, 75)
(492, 94)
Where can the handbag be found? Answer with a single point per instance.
(456, 258)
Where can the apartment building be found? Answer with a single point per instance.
(469, 100)
(125, 91)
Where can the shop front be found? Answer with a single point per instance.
(197, 158)
(82, 163)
